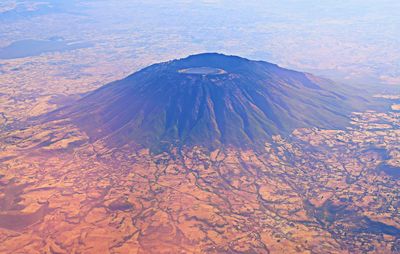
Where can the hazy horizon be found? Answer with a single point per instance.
(350, 41)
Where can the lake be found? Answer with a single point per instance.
(28, 48)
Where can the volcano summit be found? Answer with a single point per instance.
(210, 100)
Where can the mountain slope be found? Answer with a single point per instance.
(210, 100)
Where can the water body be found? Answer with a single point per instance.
(367, 225)
(203, 71)
(27, 48)
(329, 213)
(24, 9)
(383, 153)
(390, 170)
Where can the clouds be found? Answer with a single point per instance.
(391, 80)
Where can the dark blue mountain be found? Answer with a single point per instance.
(210, 100)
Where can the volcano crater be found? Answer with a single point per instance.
(203, 71)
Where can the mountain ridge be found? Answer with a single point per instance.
(210, 100)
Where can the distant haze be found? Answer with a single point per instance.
(353, 41)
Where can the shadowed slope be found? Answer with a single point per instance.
(210, 100)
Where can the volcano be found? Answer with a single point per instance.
(210, 100)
